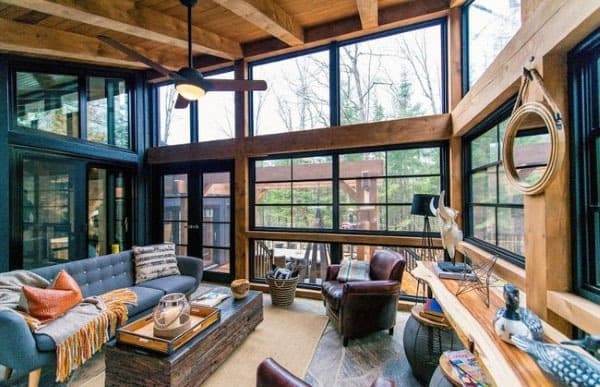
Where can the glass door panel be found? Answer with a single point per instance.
(175, 211)
(216, 223)
(48, 208)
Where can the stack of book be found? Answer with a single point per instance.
(467, 369)
(432, 310)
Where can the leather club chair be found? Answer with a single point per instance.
(358, 308)
(271, 374)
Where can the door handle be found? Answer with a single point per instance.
(193, 226)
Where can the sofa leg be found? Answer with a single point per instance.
(391, 331)
(34, 378)
(7, 373)
(345, 341)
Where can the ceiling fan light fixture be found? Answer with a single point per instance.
(192, 87)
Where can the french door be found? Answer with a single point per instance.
(196, 215)
(66, 209)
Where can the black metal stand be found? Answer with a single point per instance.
(427, 245)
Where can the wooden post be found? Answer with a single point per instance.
(547, 218)
(242, 263)
(454, 56)
(7, 373)
(34, 378)
(528, 7)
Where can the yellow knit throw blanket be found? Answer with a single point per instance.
(81, 346)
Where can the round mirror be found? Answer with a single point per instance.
(533, 148)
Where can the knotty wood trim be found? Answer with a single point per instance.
(385, 240)
(126, 17)
(268, 16)
(367, 10)
(577, 310)
(390, 17)
(555, 26)
(42, 41)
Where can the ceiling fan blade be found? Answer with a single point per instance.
(234, 85)
(181, 102)
(137, 56)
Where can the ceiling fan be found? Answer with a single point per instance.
(189, 82)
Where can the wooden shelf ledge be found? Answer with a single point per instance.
(575, 309)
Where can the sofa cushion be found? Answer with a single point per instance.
(154, 261)
(96, 275)
(333, 292)
(171, 284)
(147, 298)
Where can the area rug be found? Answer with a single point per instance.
(288, 336)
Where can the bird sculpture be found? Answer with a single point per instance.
(512, 320)
(565, 365)
(449, 230)
(591, 343)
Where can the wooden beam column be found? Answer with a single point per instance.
(368, 12)
(547, 217)
(528, 7)
(242, 256)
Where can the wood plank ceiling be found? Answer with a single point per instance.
(224, 30)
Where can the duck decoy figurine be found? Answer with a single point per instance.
(513, 320)
(565, 365)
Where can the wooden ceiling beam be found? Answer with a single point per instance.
(390, 17)
(457, 3)
(367, 10)
(35, 40)
(268, 16)
(126, 17)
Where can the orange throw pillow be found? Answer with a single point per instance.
(48, 304)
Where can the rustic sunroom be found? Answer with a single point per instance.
(258, 138)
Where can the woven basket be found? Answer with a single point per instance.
(282, 291)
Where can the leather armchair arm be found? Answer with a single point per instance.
(372, 288)
(192, 266)
(332, 272)
(272, 374)
(17, 345)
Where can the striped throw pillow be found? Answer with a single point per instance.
(353, 270)
(154, 261)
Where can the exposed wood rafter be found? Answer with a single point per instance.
(126, 17)
(29, 39)
(367, 10)
(268, 16)
(457, 3)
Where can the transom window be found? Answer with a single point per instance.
(487, 26)
(51, 103)
(494, 210)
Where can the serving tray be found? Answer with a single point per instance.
(140, 333)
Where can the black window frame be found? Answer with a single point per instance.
(83, 74)
(584, 83)
(194, 111)
(465, 45)
(501, 114)
(334, 72)
(444, 184)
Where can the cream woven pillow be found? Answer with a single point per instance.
(154, 261)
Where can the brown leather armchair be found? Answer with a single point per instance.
(271, 374)
(358, 308)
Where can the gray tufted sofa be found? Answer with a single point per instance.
(24, 351)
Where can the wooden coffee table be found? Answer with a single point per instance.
(191, 364)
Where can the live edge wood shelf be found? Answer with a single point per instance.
(505, 364)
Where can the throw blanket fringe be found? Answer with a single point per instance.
(82, 345)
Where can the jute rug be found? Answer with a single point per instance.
(290, 337)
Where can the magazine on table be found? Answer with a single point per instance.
(209, 299)
(467, 368)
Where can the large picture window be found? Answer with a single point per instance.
(297, 96)
(584, 68)
(487, 26)
(216, 115)
(173, 124)
(363, 192)
(494, 210)
(51, 103)
(392, 77)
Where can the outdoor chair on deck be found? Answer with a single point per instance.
(358, 308)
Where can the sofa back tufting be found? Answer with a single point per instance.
(96, 275)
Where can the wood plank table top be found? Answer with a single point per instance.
(504, 363)
(194, 361)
